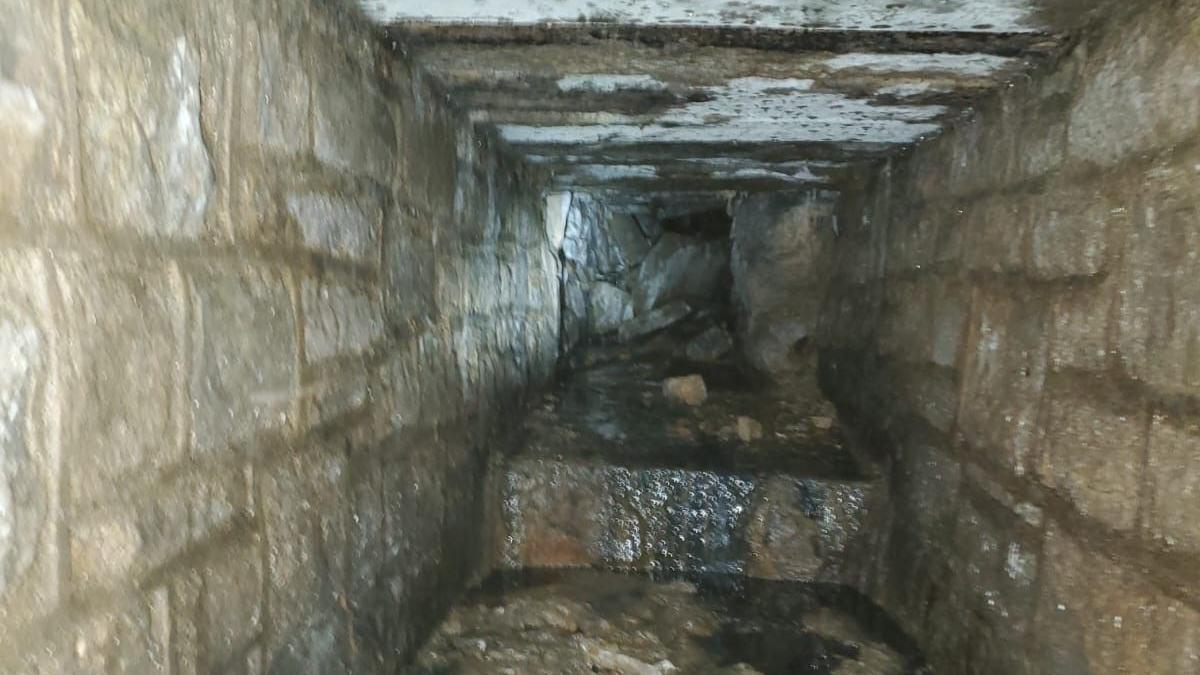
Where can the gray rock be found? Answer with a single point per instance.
(781, 263)
(653, 321)
(680, 267)
(144, 164)
(710, 345)
(608, 307)
(626, 240)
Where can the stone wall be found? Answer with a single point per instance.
(1014, 320)
(781, 263)
(264, 299)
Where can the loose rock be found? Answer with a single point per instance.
(821, 422)
(749, 429)
(680, 267)
(688, 390)
(608, 307)
(710, 345)
(653, 321)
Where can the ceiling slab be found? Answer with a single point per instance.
(1007, 16)
(668, 95)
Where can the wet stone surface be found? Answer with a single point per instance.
(612, 410)
(617, 474)
(580, 621)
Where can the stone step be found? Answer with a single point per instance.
(581, 514)
(614, 475)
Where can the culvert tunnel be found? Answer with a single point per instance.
(600, 337)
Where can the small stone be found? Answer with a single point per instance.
(821, 422)
(710, 345)
(749, 429)
(688, 390)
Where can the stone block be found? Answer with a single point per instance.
(221, 39)
(1043, 144)
(343, 226)
(1138, 89)
(404, 384)
(245, 356)
(130, 638)
(114, 543)
(276, 86)
(29, 471)
(1092, 449)
(995, 234)
(339, 320)
(123, 382)
(409, 271)
(1080, 322)
(912, 245)
(39, 171)
(303, 512)
(995, 560)
(927, 484)
(783, 541)
(368, 521)
(1160, 286)
(1004, 371)
(905, 320)
(292, 541)
(105, 547)
(337, 392)
(232, 601)
(608, 307)
(1070, 228)
(352, 122)
(653, 321)
(680, 268)
(950, 305)
(930, 393)
(710, 346)
(1096, 615)
(1174, 480)
(650, 519)
(145, 167)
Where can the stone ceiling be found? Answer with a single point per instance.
(706, 95)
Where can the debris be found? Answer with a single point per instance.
(688, 390)
(821, 422)
(749, 429)
(710, 345)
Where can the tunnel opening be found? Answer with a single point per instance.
(380, 336)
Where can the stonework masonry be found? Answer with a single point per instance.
(265, 303)
(1013, 320)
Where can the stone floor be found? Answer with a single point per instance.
(755, 479)
(612, 409)
(586, 622)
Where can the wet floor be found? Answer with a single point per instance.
(611, 409)
(585, 622)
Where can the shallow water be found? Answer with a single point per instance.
(584, 621)
(611, 410)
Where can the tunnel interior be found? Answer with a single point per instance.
(635, 338)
